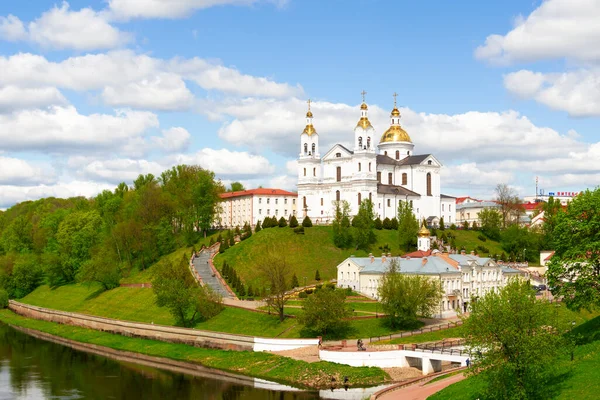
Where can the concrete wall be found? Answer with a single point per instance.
(172, 334)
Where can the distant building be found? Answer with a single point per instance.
(469, 210)
(250, 206)
(562, 196)
(463, 277)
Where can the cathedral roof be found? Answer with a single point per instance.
(309, 130)
(410, 160)
(394, 189)
(395, 133)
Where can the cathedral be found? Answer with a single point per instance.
(385, 172)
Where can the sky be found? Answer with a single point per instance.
(96, 92)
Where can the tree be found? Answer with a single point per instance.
(551, 209)
(574, 269)
(387, 223)
(490, 221)
(266, 223)
(405, 297)
(408, 227)
(317, 276)
(365, 233)
(176, 289)
(342, 237)
(516, 338)
(26, 275)
(275, 271)
(325, 312)
(293, 222)
(394, 224)
(102, 268)
(257, 228)
(521, 242)
(442, 226)
(465, 225)
(295, 282)
(3, 298)
(282, 222)
(378, 223)
(306, 222)
(510, 204)
(236, 187)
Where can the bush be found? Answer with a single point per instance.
(282, 222)
(302, 295)
(308, 291)
(453, 227)
(257, 228)
(330, 285)
(3, 298)
(394, 224)
(317, 276)
(318, 287)
(293, 222)
(481, 237)
(307, 223)
(387, 223)
(299, 230)
(378, 224)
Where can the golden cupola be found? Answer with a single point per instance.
(424, 232)
(309, 129)
(395, 133)
(364, 122)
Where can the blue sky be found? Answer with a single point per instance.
(96, 92)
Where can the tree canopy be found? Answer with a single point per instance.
(325, 311)
(408, 227)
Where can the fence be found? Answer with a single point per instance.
(432, 328)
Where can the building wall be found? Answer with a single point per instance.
(236, 211)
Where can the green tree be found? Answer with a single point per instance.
(3, 298)
(266, 223)
(306, 222)
(342, 237)
(282, 222)
(465, 225)
(574, 269)
(394, 224)
(317, 276)
(275, 270)
(325, 312)
(408, 227)
(26, 275)
(551, 209)
(295, 283)
(365, 227)
(102, 268)
(510, 204)
(378, 224)
(522, 243)
(406, 297)
(293, 222)
(176, 289)
(517, 339)
(236, 187)
(442, 225)
(387, 223)
(257, 228)
(490, 222)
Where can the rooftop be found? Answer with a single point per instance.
(258, 192)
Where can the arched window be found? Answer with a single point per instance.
(429, 162)
(360, 142)
(304, 201)
(397, 154)
(404, 179)
(314, 172)
(379, 176)
(369, 167)
(368, 142)
(370, 197)
(339, 174)
(385, 153)
(429, 184)
(337, 195)
(304, 171)
(359, 199)
(321, 201)
(305, 148)
(314, 148)
(359, 167)
(390, 178)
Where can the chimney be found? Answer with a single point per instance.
(408, 257)
(371, 257)
(424, 261)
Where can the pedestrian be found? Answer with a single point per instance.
(468, 362)
(320, 342)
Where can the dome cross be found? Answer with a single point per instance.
(363, 95)
(395, 95)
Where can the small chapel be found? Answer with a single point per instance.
(381, 167)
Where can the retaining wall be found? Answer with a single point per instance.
(172, 334)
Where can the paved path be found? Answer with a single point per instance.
(206, 273)
(420, 390)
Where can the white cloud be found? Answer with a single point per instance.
(61, 129)
(114, 170)
(126, 9)
(173, 139)
(576, 92)
(10, 194)
(556, 29)
(18, 172)
(15, 98)
(61, 28)
(228, 163)
(165, 91)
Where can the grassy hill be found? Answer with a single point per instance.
(469, 239)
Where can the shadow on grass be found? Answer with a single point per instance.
(587, 332)
(95, 294)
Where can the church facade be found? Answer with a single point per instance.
(381, 167)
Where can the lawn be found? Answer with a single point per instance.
(452, 333)
(469, 239)
(261, 365)
(304, 253)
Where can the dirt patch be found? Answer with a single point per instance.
(403, 374)
(308, 354)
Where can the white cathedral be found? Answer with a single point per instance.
(386, 173)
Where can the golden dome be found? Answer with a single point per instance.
(364, 123)
(309, 130)
(309, 114)
(395, 112)
(424, 232)
(395, 134)
(363, 106)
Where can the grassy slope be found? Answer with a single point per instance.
(305, 253)
(469, 240)
(263, 365)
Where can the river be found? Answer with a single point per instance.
(31, 368)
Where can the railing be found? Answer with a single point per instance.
(432, 328)
(443, 347)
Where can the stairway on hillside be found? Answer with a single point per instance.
(206, 273)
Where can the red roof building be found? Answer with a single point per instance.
(251, 206)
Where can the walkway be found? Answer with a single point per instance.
(206, 273)
(421, 390)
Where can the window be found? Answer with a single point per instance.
(379, 176)
(449, 207)
(359, 199)
(339, 174)
(385, 153)
(314, 148)
(468, 215)
(442, 207)
(259, 200)
(338, 155)
(304, 201)
(305, 148)
(276, 201)
(268, 211)
(405, 178)
(337, 195)
(284, 201)
(259, 211)
(368, 142)
(285, 212)
(390, 178)
(268, 200)
(276, 212)
(360, 142)
(369, 167)
(389, 203)
(429, 162)
(370, 197)
(397, 154)
(321, 201)
(304, 171)
(359, 167)
(293, 201)
(429, 184)
(314, 172)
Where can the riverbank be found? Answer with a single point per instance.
(267, 366)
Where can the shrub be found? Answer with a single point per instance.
(258, 228)
(302, 295)
(330, 285)
(3, 298)
(387, 223)
(293, 222)
(394, 224)
(317, 276)
(378, 224)
(348, 291)
(282, 222)
(299, 230)
(308, 291)
(307, 223)
(481, 237)
(453, 227)
(319, 287)
(295, 282)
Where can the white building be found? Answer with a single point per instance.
(462, 277)
(251, 206)
(469, 210)
(385, 172)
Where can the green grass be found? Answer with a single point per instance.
(451, 333)
(439, 378)
(304, 253)
(261, 365)
(469, 240)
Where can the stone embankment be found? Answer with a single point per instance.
(171, 334)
